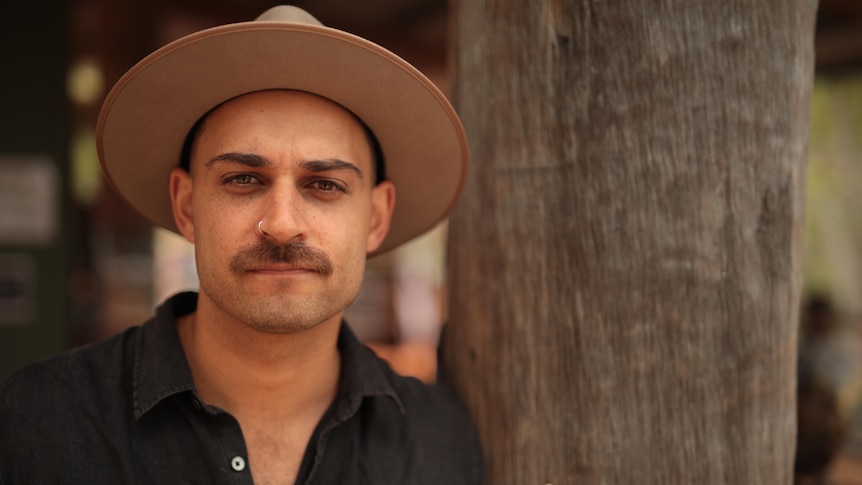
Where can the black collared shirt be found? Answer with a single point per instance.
(125, 411)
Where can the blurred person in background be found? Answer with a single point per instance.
(828, 388)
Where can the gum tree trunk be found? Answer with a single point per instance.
(624, 268)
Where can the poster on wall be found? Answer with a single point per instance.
(29, 195)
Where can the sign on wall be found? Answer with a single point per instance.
(29, 195)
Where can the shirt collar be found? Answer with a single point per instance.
(362, 373)
(161, 369)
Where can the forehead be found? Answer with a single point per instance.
(285, 119)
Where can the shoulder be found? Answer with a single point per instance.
(72, 372)
(442, 430)
(407, 423)
(47, 406)
(430, 402)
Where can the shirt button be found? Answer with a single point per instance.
(237, 463)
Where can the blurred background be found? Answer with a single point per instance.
(77, 264)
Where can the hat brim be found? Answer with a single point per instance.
(150, 111)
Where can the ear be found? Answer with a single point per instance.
(382, 205)
(181, 201)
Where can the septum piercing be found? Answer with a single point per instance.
(260, 229)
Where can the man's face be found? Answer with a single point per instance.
(303, 166)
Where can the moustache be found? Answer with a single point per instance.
(295, 254)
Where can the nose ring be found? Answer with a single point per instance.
(260, 229)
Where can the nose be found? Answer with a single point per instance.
(283, 216)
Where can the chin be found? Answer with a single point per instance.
(284, 317)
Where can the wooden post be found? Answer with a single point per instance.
(624, 268)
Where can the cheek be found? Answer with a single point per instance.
(347, 227)
(217, 230)
(353, 274)
(218, 217)
(349, 253)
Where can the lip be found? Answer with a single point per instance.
(280, 270)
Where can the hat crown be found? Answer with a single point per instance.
(288, 13)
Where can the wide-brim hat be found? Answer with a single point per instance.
(148, 114)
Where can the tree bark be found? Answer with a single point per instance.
(624, 266)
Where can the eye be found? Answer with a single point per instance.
(327, 186)
(241, 179)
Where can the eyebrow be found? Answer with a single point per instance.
(248, 159)
(256, 161)
(330, 164)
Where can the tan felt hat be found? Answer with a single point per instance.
(150, 111)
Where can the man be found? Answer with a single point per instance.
(275, 146)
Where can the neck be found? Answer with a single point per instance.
(255, 375)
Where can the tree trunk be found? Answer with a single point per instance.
(624, 266)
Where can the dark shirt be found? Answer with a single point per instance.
(125, 411)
